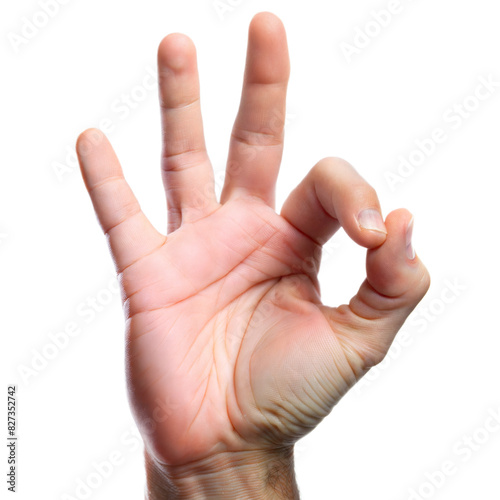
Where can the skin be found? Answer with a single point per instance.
(231, 355)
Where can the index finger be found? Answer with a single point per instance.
(333, 194)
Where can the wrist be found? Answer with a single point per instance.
(233, 475)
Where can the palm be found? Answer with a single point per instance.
(218, 341)
(228, 345)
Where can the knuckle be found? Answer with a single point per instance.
(425, 282)
(370, 190)
(363, 191)
(330, 163)
(374, 357)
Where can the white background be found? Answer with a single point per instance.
(413, 412)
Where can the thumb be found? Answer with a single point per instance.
(396, 282)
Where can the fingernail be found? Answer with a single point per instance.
(371, 220)
(410, 251)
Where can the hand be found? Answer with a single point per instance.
(231, 356)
